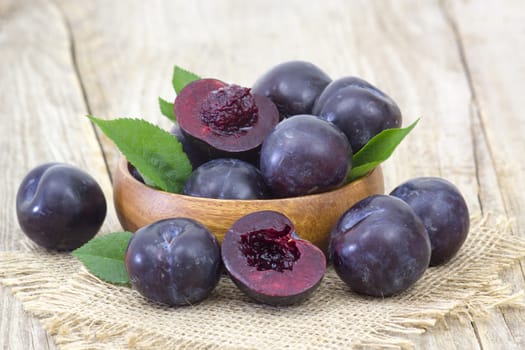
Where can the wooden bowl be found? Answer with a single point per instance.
(313, 216)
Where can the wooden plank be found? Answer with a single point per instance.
(491, 37)
(445, 336)
(41, 108)
(17, 329)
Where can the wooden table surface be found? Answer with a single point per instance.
(459, 65)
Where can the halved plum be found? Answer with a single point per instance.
(268, 261)
(226, 119)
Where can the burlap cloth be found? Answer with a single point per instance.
(82, 312)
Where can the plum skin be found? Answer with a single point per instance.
(226, 178)
(358, 108)
(197, 156)
(59, 206)
(379, 247)
(174, 261)
(303, 155)
(443, 211)
(341, 83)
(293, 86)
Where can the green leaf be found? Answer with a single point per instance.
(181, 78)
(166, 108)
(377, 150)
(104, 257)
(156, 153)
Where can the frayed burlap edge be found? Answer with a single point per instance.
(472, 287)
(474, 292)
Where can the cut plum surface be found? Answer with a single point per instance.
(269, 262)
(225, 118)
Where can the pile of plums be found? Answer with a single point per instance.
(291, 134)
(380, 246)
(179, 261)
(384, 243)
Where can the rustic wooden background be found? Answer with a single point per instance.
(460, 65)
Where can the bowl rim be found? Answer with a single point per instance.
(123, 170)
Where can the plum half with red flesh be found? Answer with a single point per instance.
(269, 262)
(226, 119)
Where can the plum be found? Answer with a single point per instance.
(443, 211)
(226, 178)
(293, 86)
(174, 261)
(224, 120)
(303, 155)
(269, 262)
(359, 109)
(197, 156)
(59, 206)
(135, 173)
(338, 84)
(379, 247)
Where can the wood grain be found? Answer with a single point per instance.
(41, 108)
(489, 35)
(460, 65)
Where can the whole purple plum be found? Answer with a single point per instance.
(443, 211)
(379, 247)
(293, 86)
(303, 155)
(59, 206)
(337, 85)
(174, 261)
(359, 109)
(226, 178)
